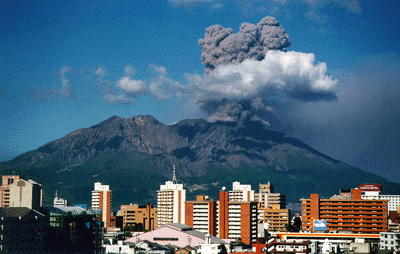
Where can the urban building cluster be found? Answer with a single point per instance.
(241, 220)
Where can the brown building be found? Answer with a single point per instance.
(346, 212)
(237, 219)
(201, 215)
(7, 181)
(133, 215)
(276, 218)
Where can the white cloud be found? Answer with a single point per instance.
(131, 87)
(101, 72)
(118, 99)
(129, 70)
(288, 72)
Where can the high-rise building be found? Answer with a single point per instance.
(133, 215)
(101, 200)
(6, 182)
(266, 197)
(26, 194)
(344, 212)
(241, 192)
(171, 203)
(201, 215)
(237, 219)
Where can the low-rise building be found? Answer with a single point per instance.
(144, 216)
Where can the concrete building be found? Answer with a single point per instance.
(266, 197)
(373, 191)
(237, 219)
(133, 215)
(59, 202)
(344, 212)
(201, 215)
(26, 194)
(275, 218)
(171, 203)
(389, 241)
(241, 192)
(7, 181)
(101, 200)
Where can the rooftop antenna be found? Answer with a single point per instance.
(174, 176)
(56, 194)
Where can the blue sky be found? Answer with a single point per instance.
(66, 65)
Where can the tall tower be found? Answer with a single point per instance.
(171, 203)
(101, 200)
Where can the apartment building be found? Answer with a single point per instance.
(26, 194)
(101, 200)
(146, 215)
(237, 219)
(266, 197)
(275, 218)
(201, 215)
(345, 212)
(7, 181)
(241, 192)
(171, 203)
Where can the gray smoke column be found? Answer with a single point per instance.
(221, 46)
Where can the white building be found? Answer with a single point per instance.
(241, 192)
(389, 241)
(373, 191)
(171, 204)
(59, 202)
(101, 200)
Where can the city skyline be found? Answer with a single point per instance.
(71, 66)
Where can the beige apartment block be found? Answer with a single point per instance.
(26, 194)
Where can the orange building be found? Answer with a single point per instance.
(7, 181)
(201, 215)
(345, 212)
(145, 215)
(237, 219)
(101, 200)
(275, 217)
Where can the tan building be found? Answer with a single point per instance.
(101, 200)
(143, 214)
(266, 197)
(275, 218)
(26, 194)
(6, 182)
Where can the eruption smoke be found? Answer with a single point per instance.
(247, 71)
(221, 46)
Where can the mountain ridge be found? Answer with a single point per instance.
(125, 153)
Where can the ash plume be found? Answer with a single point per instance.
(247, 72)
(221, 46)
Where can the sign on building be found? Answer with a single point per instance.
(319, 225)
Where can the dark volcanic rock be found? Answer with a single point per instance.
(135, 155)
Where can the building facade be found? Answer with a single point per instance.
(373, 191)
(171, 204)
(266, 197)
(201, 215)
(26, 194)
(241, 192)
(7, 181)
(275, 218)
(237, 219)
(101, 200)
(133, 215)
(59, 202)
(349, 213)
